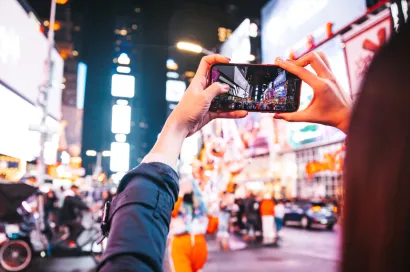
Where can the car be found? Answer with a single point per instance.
(309, 214)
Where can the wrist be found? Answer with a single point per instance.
(345, 122)
(175, 126)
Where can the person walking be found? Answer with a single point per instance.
(267, 210)
(279, 217)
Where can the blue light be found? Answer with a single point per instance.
(170, 61)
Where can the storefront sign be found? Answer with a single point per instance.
(331, 162)
(361, 44)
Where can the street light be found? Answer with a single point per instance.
(195, 48)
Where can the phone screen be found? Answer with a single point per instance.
(256, 88)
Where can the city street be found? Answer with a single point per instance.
(301, 250)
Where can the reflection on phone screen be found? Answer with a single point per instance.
(256, 88)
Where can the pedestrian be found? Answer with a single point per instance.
(225, 208)
(267, 210)
(251, 217)
(187, 247)
(279, 217)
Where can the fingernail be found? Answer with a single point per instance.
(226, 87)
(277, 116)
(228, 58)
(278, 60)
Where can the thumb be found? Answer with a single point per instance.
(216, 89)
(300, 116)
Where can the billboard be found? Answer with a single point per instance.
(23, 52)
(238, 45)
(174, 90)
(120, 157)
(122, 86)
(16, 139)
(121, 119)
(286, 22)
(362, 43)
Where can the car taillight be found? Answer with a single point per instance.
(316, 208)
(335, 209)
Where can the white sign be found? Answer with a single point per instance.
(121, 119)
(123, 86)
(120, 157)
(23, 53)
(361, 44)
(18, 115)
(175, 90)
(238, 45)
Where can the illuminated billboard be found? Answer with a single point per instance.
(174, 90)
(81, 81)
(123, 86)
(286, 22)
(23, 53)
(238, 45)
(121, 119)
(120, 157)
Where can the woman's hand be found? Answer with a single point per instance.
(192, 112)
(330, 104)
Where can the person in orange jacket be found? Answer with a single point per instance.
(267, 210)
(187, 247)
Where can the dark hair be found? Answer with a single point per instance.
(376, 223)
(74, 187)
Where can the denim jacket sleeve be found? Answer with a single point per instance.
(139, 219)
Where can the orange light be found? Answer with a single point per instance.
(57, 26)
(329, 31)
(61, 2)
(316, 208)
(335, 209)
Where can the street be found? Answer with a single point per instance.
(300, 250)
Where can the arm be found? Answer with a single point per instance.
(140, 214)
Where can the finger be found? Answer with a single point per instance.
(216, 89)
(300, 116)
(229, 115)
(324, 59)
(307, 76)
(206, 63)
(314, 60)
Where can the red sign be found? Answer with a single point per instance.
(361, 44)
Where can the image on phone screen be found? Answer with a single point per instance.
(256, 88)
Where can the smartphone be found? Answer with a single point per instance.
(259, 88)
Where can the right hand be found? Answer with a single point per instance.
(330, 104)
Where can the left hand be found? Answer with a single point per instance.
(192, 112)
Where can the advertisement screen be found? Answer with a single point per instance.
(23, 53)
(362, 43)
(174, 90)
(16, 140)
(120, 157)
(238, 45)
(286, 22)
(123, 86)
(121, 119)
